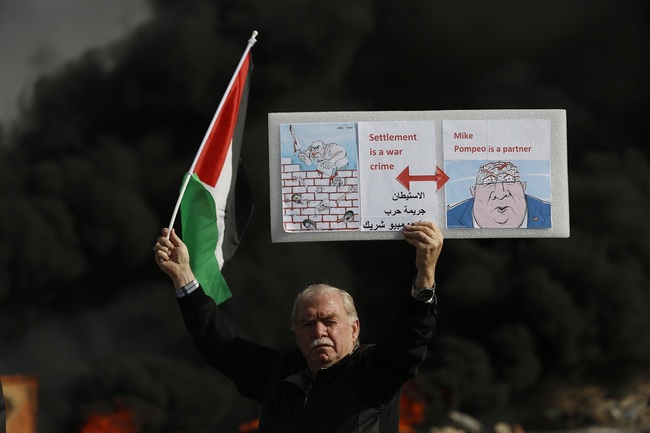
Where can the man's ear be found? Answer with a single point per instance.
(356, 329)
(472, 190)
(523, 186)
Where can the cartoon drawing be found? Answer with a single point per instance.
(326, 157)
(499, 200)
(326, 204)
(309, 224)
(319, 181)
(297, 147)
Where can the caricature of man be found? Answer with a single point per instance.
(499, 200)
(326, 157)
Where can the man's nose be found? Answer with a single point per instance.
(321, 329)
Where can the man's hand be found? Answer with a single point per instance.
(427, 239)
(173, 258)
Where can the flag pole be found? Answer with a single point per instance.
(186, 180)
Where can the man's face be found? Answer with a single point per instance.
(323, 330)
(500, 205)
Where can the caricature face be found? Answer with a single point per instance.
(316, 149)
(323, 330)
(499, 204)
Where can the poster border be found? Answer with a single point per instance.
(559, 170)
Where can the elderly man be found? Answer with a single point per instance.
(331, 383)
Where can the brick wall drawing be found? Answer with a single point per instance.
(312, 200)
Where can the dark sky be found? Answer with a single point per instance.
(90, 171)
(38, 36)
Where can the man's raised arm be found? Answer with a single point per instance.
(427, 239)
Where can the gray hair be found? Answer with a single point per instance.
(320, 289)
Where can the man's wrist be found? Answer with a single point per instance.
(182, 277)
(423, 294)
(187, 289)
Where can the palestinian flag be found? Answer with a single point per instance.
(212, 220)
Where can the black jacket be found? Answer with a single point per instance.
(358, 394)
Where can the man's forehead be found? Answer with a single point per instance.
(324, 305)
(310, 315)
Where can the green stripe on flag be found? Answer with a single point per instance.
(200, 234)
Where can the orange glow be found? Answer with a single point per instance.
(249, 426)
(411, 409)
(120, 421)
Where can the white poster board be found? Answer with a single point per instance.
(364, 175)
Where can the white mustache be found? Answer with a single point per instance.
(321, 342)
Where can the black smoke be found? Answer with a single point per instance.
(90, 174)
